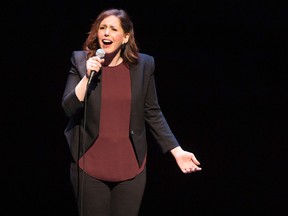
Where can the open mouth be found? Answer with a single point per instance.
(106, 42)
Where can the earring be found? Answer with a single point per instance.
(123, 46)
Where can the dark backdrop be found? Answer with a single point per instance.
(221, 72)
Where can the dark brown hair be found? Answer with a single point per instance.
(129, 51)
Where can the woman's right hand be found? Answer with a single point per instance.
(93, 64)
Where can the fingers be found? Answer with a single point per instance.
(194, 160)
(94, 63)
(191, 170)
(193, 166)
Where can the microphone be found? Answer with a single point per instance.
(101, 54)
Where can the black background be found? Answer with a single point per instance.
(221, 73)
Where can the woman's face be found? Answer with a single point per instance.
(111, 35)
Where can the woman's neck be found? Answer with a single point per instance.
(116, 61)
(113, 59)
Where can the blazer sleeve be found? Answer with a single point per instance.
(70, 103)
(154, 117)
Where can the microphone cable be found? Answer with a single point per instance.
(100, 53)
(82, 147)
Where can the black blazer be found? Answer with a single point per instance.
(145, 110)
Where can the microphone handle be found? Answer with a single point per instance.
(100, 53)
(91, 76)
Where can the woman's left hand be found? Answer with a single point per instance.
(186, 161)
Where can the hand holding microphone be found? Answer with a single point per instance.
(94, 64)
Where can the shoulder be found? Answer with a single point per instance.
(145, 58)
(79, 54)
(145, 64)
(78, 57)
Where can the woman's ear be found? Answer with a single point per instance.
(126, 39)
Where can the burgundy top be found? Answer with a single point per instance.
(112, 156)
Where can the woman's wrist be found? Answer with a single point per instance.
(175, 151)
(87, 75)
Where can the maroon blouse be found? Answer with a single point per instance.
(112, 157)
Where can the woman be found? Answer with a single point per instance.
(109, 102)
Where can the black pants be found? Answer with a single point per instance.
(101, 198)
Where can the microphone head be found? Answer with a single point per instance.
(100, 53)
